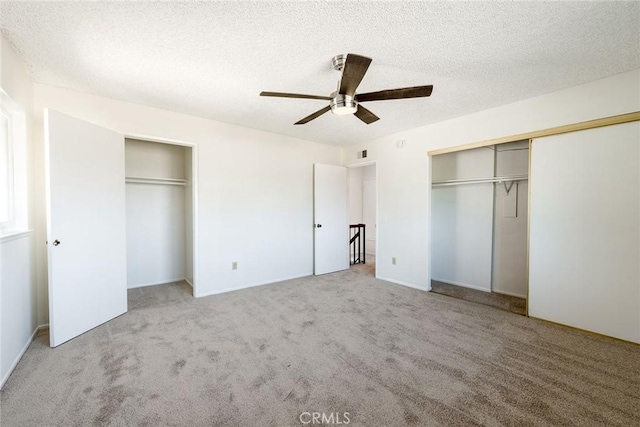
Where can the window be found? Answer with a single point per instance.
(13, 167)
(6, 173)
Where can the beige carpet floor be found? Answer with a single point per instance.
(501, 301)
(385, 354)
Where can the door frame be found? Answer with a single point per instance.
(194, 198)
(361, 165)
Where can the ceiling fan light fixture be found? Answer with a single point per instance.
(343, 105)
(344, 101)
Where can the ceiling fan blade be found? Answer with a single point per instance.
(294, 95)
(355, 66)
(365, 115)
(407, 92)
(313, 116)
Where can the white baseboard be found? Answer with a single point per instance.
(511, 294)
(409, 285)
(464, 285)
(188, 281)
(164, 282)
(252, 285)
(17, 359)
(43, 327)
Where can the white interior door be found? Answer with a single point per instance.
(584, 228)
(86, 225)
(331, 228)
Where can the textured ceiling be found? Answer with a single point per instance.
(212, 59)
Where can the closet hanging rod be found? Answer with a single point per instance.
(157, 181)
(150, 178)
(498, 179)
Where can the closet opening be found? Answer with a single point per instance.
(160, 210)
(363, 208)
(479, 225)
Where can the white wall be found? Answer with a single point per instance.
(509, 275)
(403, 173)
(156, 220)
(462, 220)
(17, 302)
(18, 298)
(369, 207)
(155, 234)
(585, 230)
(369, 172)
(254, 190)
(355, 195)
(362, 202)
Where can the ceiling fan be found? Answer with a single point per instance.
(345, 100)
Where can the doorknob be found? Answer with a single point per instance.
(318, 225)
(56, 242)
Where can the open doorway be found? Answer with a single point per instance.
(160, 216)
(479, 217)
(363, 208)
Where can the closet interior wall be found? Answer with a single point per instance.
(510, 214)
(159, 213)
(479, 229)
(462, 219)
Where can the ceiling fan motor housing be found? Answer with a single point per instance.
(343, 104)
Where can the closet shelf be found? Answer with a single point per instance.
(155, 181)
(498, 179)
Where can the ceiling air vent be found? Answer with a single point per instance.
(362, 154)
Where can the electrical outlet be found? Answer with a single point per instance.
(393, 260)
(234, 265)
